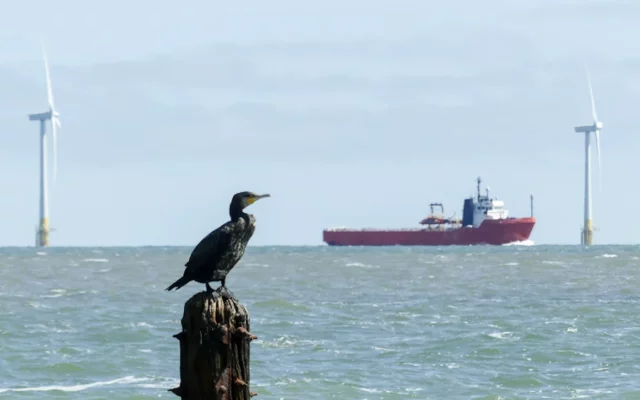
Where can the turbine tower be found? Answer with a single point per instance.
(42, 234)
(587, 230)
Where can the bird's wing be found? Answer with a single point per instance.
(210, 247)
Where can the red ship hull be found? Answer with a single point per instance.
(494, 232)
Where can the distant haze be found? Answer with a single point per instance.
(350, 113)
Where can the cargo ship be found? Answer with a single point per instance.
(484, 221)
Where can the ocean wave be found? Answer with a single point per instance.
(360, 265)
(287, 341)
(503, 335)
(280, 304)
(75, 388)
(521, 243)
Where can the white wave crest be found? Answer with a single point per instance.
(75, 388)
(528, 242)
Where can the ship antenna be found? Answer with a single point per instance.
(479, 180)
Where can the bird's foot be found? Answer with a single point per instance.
(211, 292)
(226, 293)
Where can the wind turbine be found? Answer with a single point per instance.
(587, 230)
(42, 235)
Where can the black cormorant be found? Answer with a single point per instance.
(216, 254)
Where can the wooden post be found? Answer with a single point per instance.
(214, 349)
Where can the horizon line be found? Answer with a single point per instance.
(310, 245)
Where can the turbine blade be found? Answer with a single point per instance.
(46, 70)
(593, 102)
(55, 120)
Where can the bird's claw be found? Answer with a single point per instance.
(213, 293)
(214, 296)
(226, 293)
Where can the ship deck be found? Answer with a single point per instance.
(416, 229)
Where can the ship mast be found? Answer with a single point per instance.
(531, 206)
(479, 180)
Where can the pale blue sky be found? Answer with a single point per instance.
(351, 112)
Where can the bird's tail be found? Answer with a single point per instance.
(179, 283)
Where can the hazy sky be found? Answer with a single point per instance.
(350, 113)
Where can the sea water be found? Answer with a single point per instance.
(483, 322)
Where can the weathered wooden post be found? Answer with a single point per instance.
(214, 349)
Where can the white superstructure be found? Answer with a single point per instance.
(487, 208)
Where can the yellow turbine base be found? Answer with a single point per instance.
(587, 233)
(43, 233)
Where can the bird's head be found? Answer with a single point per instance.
(245, 199)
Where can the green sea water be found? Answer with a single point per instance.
(510, 322)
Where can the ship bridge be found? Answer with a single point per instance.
(484, 207)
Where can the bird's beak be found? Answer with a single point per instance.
(258, 197)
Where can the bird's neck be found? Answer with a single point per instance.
(236, 213)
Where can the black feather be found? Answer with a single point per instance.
(218, 252)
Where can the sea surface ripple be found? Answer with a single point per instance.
(511, 322)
